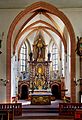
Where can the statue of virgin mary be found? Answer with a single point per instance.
(39, 50)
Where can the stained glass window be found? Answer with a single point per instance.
(55, 57)
(23, 57)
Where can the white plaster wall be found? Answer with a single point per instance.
(6, 18)
(75, 17)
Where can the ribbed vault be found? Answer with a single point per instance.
(49, 21)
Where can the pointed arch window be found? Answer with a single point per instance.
(55, 57)
(23, 58)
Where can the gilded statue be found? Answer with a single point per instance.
(79, 46)
(39, 50)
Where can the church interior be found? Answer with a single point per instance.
(40, 59)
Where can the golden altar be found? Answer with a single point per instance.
(41, 99)
(39, 74)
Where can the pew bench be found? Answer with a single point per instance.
(16, 107)
(69, 108)
(6, 115)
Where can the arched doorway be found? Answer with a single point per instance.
(35, 7)
(24, 92)
(56, 92)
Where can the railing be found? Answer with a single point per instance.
(69, 108)
(16, 107)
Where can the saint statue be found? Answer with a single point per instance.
(79, 46)
(39, 50)
(40, 47)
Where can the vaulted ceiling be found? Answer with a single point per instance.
(24, 3)
(40, 21)
(44, 23)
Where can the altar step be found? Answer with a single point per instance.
(43, 116)
(40, 112)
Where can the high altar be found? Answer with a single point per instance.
(40, 91)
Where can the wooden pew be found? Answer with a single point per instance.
(16, 107)
(69, 108)
(6, 115)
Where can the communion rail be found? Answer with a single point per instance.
(69, 108)
(15, 107)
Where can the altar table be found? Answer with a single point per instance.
(41, 99)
